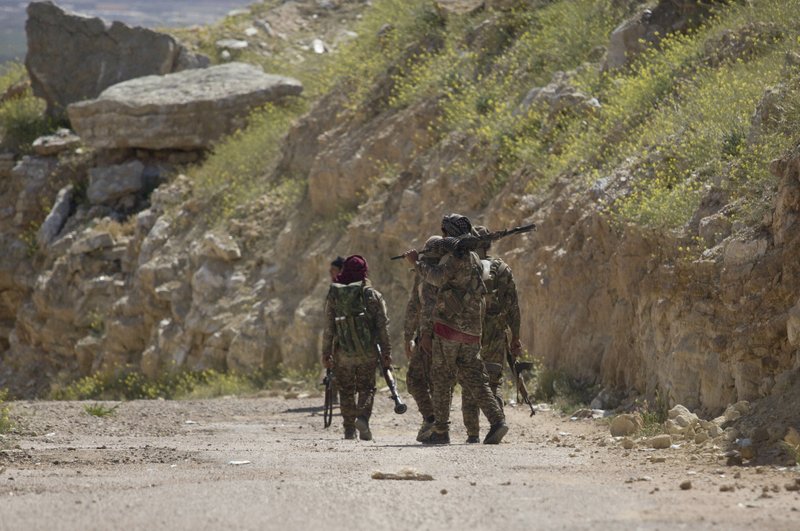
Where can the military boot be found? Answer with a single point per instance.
(473, 439)
(437, 438)
(496, 433)
(425, 430)
(362, 425)
(350, 433)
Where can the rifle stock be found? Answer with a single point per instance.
(327, 413)
(516, 368)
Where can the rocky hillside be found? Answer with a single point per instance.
(652, 142)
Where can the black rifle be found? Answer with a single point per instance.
(470, 242)
(327, 414)
(517, 367)
(399, 406)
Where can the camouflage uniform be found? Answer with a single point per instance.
(502, 316)
(355, 371)
(419, 323)
(457, 317)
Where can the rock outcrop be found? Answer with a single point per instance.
(186, 110)
(73, 58)
(649, 26)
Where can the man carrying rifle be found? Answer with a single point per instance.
(355, 318)
(502, 317)
(457, 324)
(418, 336)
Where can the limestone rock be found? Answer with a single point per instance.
(744, 252)
(73, 58)
(626, 424)
(57, 217)
(216, 245)
(51, 145)
(660, 442)
(715, 228)
(459, 7)
(185, 110)
(558, 96)
(91, 242)
(633, 36)
(34, 174)
(110, 183)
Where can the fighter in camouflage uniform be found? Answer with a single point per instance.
(355, 321)
(418, 328)
(457, 325)
(501, 318)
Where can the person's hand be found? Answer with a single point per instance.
(387, 361)
(327, 361)
(411, 256)
(426, 343)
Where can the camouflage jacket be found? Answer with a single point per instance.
(419, 310)
(502, 309)
(459, 303)
(376, 316)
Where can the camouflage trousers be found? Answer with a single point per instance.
(356, 390)
(458, 362)
(418, 381)
(469, 407)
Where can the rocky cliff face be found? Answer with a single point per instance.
(609, 304)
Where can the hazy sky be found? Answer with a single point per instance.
(149, 13)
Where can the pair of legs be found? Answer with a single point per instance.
(469, 406)
(420, 386)
(356, 391)
(458, 362)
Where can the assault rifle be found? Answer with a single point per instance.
(327, 413)
(517, 367)
(399, 406)
(470, 242)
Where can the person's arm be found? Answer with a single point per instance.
(412, 318)
(377, 309)
(328, 335)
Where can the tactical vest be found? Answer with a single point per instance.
(353, 331)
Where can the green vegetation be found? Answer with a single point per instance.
(99, 410)
(22, 118)
(653, 415)
(5, 413)
(131, 384)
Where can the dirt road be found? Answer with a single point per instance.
(167, 465)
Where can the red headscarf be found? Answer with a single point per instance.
(354, 270)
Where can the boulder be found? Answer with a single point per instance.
(52, 145)
(186, 110)
(660, 442)
(623, 425)
(558, 96)
(649, 26)
(109, 183)
(73, 57)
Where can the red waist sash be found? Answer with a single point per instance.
(445, 332)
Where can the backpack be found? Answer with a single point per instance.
(353, 331)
